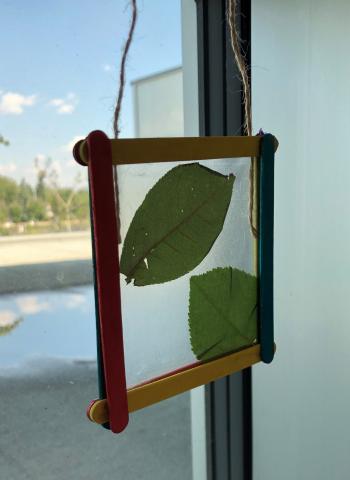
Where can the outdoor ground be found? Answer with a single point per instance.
(45, 434)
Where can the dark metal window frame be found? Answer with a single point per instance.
(229, 400)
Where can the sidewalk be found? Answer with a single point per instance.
(47, 261)
(45, 248)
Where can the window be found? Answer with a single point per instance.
(58, 85)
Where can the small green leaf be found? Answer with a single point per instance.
(176, 225)
(222, 312)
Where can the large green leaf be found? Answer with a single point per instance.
(222, 312)
(176, 225)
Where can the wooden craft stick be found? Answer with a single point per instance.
(153, 392)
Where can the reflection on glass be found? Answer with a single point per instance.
(47, 377)
(8, 322)
(56, 325)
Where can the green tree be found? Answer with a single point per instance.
(45, 201)
(36, 210)
(15, 212)
(4, 215)
(41, 174)
(64, 197)
(80, 205)
(25, 197)
(8, 190)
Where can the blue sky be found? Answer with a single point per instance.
(59, 72)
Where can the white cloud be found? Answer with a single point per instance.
(66, 108)
(30, 305)
(13, 103)
(8, 168)
(7, 318)
(69, 146)
(40, 157)
(56, 102)
(75, 301)
(107, 68)
(64, 105)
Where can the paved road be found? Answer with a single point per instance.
(44, 248)
(46, 436)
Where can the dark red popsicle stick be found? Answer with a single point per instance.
(107, 272)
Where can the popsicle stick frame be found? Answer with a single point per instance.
(218, 358)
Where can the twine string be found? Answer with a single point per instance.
(116, 127)
(122, 69)
(248, 129)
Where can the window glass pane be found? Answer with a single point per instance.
(59, 82)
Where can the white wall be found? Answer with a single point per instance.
(158, 105)
(301, 93)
